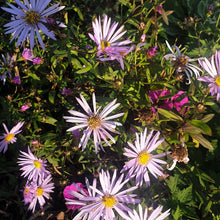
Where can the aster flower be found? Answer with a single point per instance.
(42, 191)
(142, 159)
(6, 65)
(27, 54)
(95, 122)
(213, 69)
(28, 20)
(24, 108)
(28, 192)
(78, 198)
(182, 63)
(9, 136)
(155, 215)
(32, 167)
(37, 60)
(66, 91)
(109, 199)
(106, 38)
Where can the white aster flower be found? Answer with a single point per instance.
(95, 122)
(32, 167)
(108, 199)
(182, 63)
(155, 215)
(28, 20)
(142, 159)
(107, 36)
(9, 136)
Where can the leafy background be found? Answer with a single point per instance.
(191, 190)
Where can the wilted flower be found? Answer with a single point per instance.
(32, 167)
(182, 63)
(67, 193)
(16, 80)
(142, 159)
(42, 191)
(6, 65)
(213, 69)
(29, 19)
(9, 136)
(108, 199)
(155, 215)
(106, 38)
(179, 154)
(95, 122)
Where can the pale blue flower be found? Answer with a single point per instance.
(28, 20)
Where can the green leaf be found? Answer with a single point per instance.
(204, 142)
(51, 96)
(207, 118)
(201, 125)
(168, 114)
(34, 76)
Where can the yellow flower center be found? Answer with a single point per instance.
(109, 200)
(9, 137)
(104, 44)
(32, 18)
(143, 157)
(39, 191)
(217, 81)
(94, 122)
(37, 164)
(26, 190)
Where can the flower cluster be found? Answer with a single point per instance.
(38, 185)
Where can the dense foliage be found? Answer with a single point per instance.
(70, 67)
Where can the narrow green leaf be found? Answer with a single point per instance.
(201, 125)
(207, 118)
(51, 96)
(204, 142)
(168, 114)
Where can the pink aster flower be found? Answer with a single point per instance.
(213, 69)
(27, 54)
(97, 123)
(107, 39)
(178, 105)
(9, 136)
(42, 191)
(142, 159)
(109, 199)
(37, 60)
(67, 193)
(32, 167)
(155, 215)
